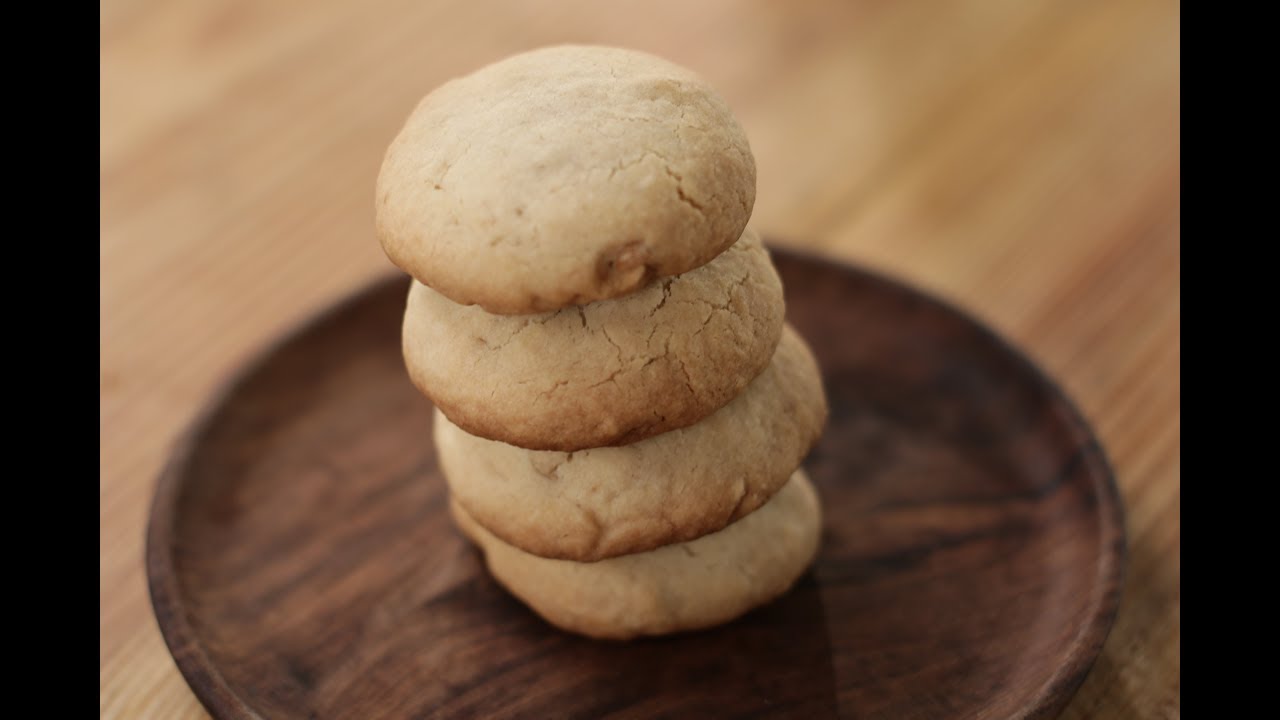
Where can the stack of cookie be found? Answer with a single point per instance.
(621, 410)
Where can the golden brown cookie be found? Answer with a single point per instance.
(686, 586)
(674, 487)
(563, 176)
(608, 373)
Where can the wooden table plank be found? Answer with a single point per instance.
(1019, 158)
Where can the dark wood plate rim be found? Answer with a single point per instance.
(221, 701)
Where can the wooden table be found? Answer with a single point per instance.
(1019, 158)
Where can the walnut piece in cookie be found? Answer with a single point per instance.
(563, 176)
(609, 373)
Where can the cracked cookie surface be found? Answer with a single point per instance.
(563, 176)
(609, 373)
(674, 487)
(687, 586)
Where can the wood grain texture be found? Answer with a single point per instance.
(303, 564)
(1018, 158)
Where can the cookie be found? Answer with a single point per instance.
(687, 586)
(609, 373)
(674, 487)
(563, 176)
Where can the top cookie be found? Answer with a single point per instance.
(563, 176)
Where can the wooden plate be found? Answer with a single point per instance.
(302, 563)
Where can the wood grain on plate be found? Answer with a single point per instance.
(303, 563)
(1018, 157)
